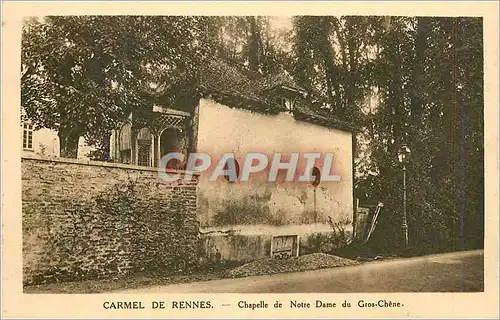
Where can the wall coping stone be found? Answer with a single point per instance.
(100, 164)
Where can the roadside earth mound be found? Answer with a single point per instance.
(302, 263)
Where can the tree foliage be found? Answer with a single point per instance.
(429, 80)
(83, 74)
(410, 80)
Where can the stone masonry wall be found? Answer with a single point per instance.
(87, 220)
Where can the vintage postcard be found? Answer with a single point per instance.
(250, 160)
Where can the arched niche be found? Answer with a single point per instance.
(174, 139)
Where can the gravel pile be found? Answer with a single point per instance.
(302, 263)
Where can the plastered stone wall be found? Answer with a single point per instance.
(223, 129)
(46, 144)
(87, 220)
(239, 219)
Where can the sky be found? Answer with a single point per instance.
(284, 23)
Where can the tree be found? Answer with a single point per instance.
(429, 103)
(83, 74)
(424, 79)
(334, 60)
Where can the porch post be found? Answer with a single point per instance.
(156, 149)
(194, 128)
(133, 146)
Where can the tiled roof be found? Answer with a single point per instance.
(234, 87)
(225, 79)
(306, 113)
(277, 80)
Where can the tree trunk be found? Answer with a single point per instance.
(68, 143)
(417, 101)
(327, 52)
(304, 66)
(395, 89)
(254, 48)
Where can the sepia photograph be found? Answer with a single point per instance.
(252, 154)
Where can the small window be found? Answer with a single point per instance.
(27, 136)
(316, 176)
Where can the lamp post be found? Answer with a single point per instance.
(404, 157)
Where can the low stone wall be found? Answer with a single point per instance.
(245, 243)
(241, 248)
(84, 220)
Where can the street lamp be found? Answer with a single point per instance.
(404, 157)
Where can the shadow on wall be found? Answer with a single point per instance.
(247, 210)
(253, 210)
(266, 204)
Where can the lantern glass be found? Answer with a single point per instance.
(404, 154)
